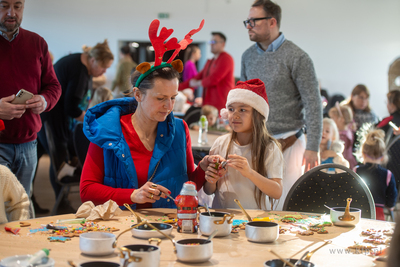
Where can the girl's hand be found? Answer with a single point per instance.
(240, 164)
(149, 193)
(214, 169)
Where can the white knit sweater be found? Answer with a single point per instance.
(14, 197)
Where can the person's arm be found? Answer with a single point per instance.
(271, 185)
(92, 179)
(73, 96)
(223, 65)
(16, 200)
(199, 76)
(391, 193)
(304, 77)
(50, 88)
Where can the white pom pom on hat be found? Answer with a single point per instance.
(252, 93)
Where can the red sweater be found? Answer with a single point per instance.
(217, 78)
(25, 64)
(92, 187)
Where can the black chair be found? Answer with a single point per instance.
(57, 160)
(81, 143)
(316, 188)
(192, 115)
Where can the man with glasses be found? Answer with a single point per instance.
(292, 89)
(217, 75)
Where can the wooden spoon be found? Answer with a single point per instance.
(244, 211)
(347, 216)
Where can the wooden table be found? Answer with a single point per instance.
(232, 250)
(194, 135)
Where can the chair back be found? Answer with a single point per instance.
(192, 115)
(316, 188)
(81, 143)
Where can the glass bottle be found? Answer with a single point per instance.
(203, 129)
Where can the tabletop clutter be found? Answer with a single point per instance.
(97, 239)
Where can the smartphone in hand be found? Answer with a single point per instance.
(22, 96)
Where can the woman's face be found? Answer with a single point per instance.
(197, 54)
(390, 107)
(97, 68)
(158, 102)
(360, 101)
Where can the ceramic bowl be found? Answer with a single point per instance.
(96, 243)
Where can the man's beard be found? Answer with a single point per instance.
(8, 28)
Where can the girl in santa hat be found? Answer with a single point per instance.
(254, 167)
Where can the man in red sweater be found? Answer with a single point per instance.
(25, 64)
(217, 76)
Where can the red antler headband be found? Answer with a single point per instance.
(160, 47)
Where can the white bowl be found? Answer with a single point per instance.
(96, 243)
(336, 212)
(22, 261)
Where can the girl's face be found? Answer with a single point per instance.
(158, 102)
(360, 101)
(197, 54)
(327, 134)
(211, 119)
(239, 117)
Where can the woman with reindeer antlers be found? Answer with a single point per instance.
(139, 153)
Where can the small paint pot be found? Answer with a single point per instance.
(96, 243)
(262, 232)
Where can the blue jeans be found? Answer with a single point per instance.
(21, 159)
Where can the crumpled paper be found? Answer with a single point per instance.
(105, 212)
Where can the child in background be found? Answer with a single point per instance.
(343, 118)
(255, 162)
(100, 95)
(211, 113)
(380, 181)
(331, 147)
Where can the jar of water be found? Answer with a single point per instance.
(203, 129)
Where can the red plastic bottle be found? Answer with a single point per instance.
(187, 203)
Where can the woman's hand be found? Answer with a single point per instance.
(213, 171)
(240, 164)
(149, 193)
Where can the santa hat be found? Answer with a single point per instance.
(252, 93)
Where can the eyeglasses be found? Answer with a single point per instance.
(252, 22)
(214, 42)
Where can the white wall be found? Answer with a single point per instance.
(350, 41)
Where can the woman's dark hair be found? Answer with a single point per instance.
(189, 51)
(166, 73)
(394, 98)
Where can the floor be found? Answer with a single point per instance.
(43, 191)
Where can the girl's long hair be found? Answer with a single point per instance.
(258, 152)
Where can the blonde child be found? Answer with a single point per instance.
(211, 113)
(331, 147)
(380, 181)
(343, 118)
(255, 162)
(100, 95)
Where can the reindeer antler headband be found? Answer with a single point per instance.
(160, 47)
